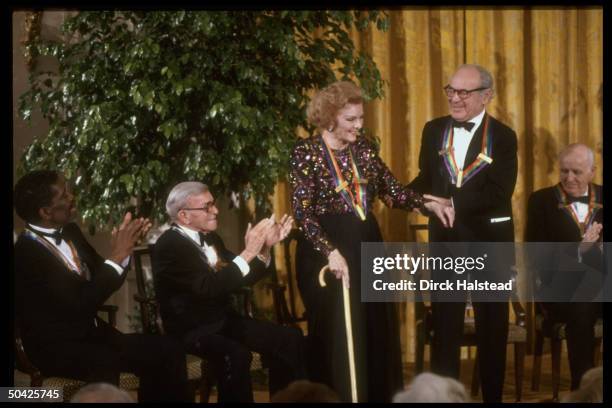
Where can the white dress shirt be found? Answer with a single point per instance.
(211, 254)
(462, 139)
(581, 209)
(64, 248)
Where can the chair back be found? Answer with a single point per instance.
(149, 307)
(288, 315)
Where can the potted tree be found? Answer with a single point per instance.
(142, 100)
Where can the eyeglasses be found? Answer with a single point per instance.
(461, 93)
(206, 207)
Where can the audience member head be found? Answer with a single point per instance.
(44, 198)
(191, 204)
(428, 387)
(305, 391)
(591, 387)
(576, 169)
(101, 392)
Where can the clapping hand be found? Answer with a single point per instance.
(255, 238)
(124, 238)
(279, 230)
(590, 237)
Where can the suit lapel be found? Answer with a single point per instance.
(84, 258)
(181, 235)
(595, 207)
(475, 144)
(55, 254)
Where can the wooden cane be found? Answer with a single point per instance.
(349, 331)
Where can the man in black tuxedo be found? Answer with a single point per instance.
(61, 281)
(469, 160)
(195, 274)
(571, 211)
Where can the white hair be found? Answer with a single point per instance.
(101, 392)
(486, 79)
(429, 387)
(179, 195)
(591, 387)
(577, 147)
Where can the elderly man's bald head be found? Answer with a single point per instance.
(576, 168)
(579, 149)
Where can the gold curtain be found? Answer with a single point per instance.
(548, 70)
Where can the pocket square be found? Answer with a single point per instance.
(500, 219)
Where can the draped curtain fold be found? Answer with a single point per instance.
(547, 66)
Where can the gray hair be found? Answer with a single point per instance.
(576, 147)
(179, 195)
(101, 392)
(429, 387)
(486, 79)
(591, 387)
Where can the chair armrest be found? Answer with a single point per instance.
(23, 362)
(246, 295)
(144, 300)
(111, 313)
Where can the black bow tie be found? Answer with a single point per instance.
(582, 199)
(58, 235)
(466, 125)
(205, 238)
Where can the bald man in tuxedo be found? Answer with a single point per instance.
(570, 211)
(469, 159)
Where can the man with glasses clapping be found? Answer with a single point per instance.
(195, 274)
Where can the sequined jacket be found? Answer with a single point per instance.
(313, 185)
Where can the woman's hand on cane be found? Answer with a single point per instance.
(337, 265)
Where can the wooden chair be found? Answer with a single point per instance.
(199, 372)
(517, 336)
(555, 332)
(285, 311)
(127, 381)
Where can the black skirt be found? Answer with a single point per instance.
(375, 325)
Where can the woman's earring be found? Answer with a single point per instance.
(330, 129)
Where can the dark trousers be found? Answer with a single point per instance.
(229, 352)
(579, 319)
(491, 320)
(158, 361)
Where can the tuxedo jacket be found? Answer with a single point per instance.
(548, 220)
(194, 299)
(53, 303)
(485, 196)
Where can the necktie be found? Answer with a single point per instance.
(58, 236)
(204, 238)
(583, 199)
(209, 249)
(466, 125)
